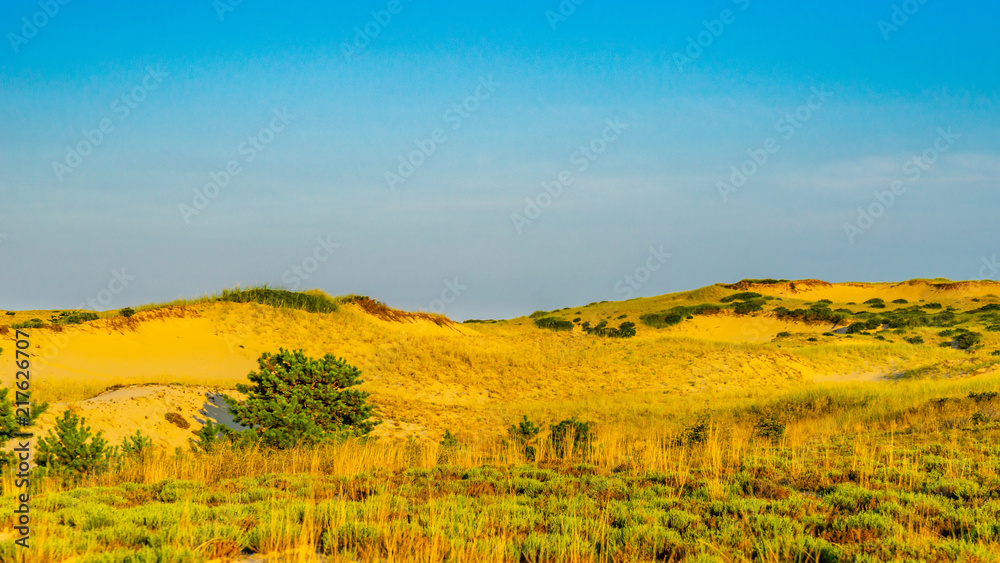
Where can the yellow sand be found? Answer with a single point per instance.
(474, 378)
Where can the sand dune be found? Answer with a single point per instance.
(428, 376)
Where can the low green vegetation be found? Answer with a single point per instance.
(553, 323)
(312, 301)
(31, 323)
(281, 298)
(830, 475)
(677, 314)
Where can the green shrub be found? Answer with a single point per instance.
(900, 301)
(967, 340)
(448, 440)
(861, 326)
(73, 317)
(812, 315)
(69, 448)
(296, 400)
(747, 307)
(769, 426)
(136, 447)
(571, 433)
(992, 307)
(552, 323)
(523, 436)
(210, 436)
(265, 295)
(915, 340)
(625, 330)
(668, 320)
(766, 281)
(875, 303)
(127, 312)
(932, 306)
(743, 296)
(696, 433)
(675, 315)
(983, 397)
(449, 446)
(33, 323)
(783, 334)
(11, 313)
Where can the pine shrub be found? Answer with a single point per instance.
(298, 400)
(523, 436)
(70, 448)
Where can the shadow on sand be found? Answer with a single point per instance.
(216, 409)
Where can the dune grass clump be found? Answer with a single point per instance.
(31, 323)
(677, 314)
(313, 301)
(72, 317)
(553, 323)
(280, 298)
(743, 296)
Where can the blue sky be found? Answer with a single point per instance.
(498, 100)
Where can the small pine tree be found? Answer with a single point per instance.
(523, 436)
(71, 448)
(770, 426)
(137, 447)
(296, 400)
(449, 440)
(210, 437)
(449, 446)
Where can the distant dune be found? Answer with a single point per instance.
(428, 374)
